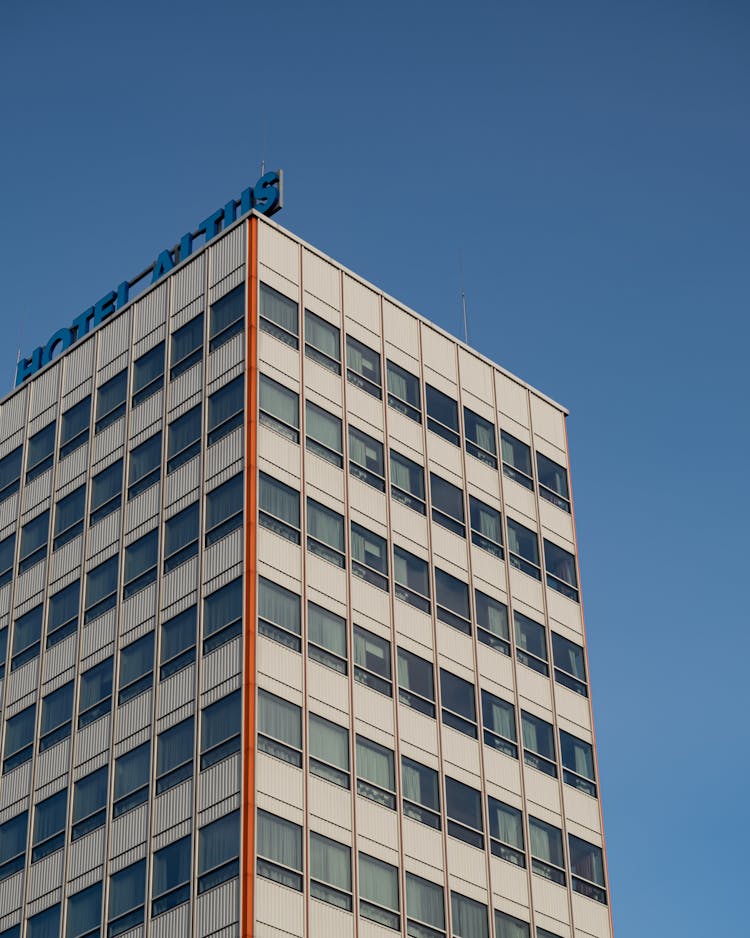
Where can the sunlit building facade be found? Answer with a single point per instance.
(291, 641)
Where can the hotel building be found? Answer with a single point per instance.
(291, 639)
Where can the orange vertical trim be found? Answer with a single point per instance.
(251, 464)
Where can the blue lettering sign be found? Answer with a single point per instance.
(266, 197)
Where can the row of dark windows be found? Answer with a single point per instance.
(184, 435)
(279, 316)
(279, 410)
(218, 862)
(222, 621)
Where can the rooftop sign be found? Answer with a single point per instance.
(266, 197)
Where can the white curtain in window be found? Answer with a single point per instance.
(405, 476)
(329, 742)
(492, 615)
(326, 629)
(424, 901)
(322, 335)
(280, 719)
(365, 452)
(279, 500)
(279, 308)
(469, 917)
(279, 401)
(324, 427)
(486, 521)
(375, 764)
(499, 716)
(482, 432)
(325, 525)
(546, 842)
(506, 926)
(219, 842)
(279, 605)
(279, 840)
(378, 882)
(506, 824)
(330, 862)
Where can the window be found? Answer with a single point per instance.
(278, 508)
(492, 622)
(499, 721)
(480, 438)
(220, 729)
(110, 400)
(49, 825)
(531, 643)
(458, 706)
(74, 430)
(372, 661)
(278, 315)
(222, 615)
(279, 850)
(469, 917)
(7, 550)
(10, 473)
(34, 538)
(524, 549)
(3, 650)
(578, 763)
(442, 415)
(44, 924)
(326, 634)
(62, 614)
(420, 793)
(516, 460)
(463, 807)
(226, 408)
(13, 845)
(106, 492)
(279, 614)
(57, 716)
(178, 642)
(95, 694)
(145, 465)
(369, 556)
(184, 438)
(403, 391)
(171, 876)
(452, 600)
(538, 744)
(279, 728)
(506, 832)
(174, 755)
(376, 777)
(587, 869)
(543, 933)
(278, 408)
(486, 527)
(507, 926)
(447, 505)
(40, 452)
(570, 664)
(148, 374)
(181, 537)
(325, 533)
(425, 908)
(224, 509)
(69, 512)
(141, 558)
(85, 913)
(329, 751)
(330, 871)
(187, 346)
(27, 633)
(416, 684)
(378, 892)
(19, 738)
(366, 459)
(561, 570)
(546, 851)
(136, 668)
(322, 342)
(553, 482)
(101, 589)
(363, 367)
(127, 898)
(323, 434)
(227, 317)
(132, 771)
(407, 482)
(89, 803)
(219, 852)
(412, 579)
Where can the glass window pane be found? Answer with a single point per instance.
(469, 917)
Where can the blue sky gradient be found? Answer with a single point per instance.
(587, 165)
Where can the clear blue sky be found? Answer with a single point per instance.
(591, 162)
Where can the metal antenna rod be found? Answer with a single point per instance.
(463, 302)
